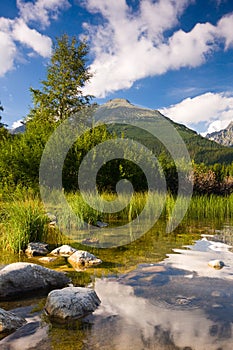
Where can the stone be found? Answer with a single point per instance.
(52, 223)
(216, 264)
(64, 250)
(9, 322)
(90, 240)
(71, 303)
(37, 249)
(19, 278)
(101, 224)
(47, 259)
(51, 217)
(83, 258)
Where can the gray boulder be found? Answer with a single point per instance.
(37, 249)
(9, 322)
(19, 278)
(71, 303)
(64, 250)
(82, 258)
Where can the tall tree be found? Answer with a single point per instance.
(1, 110)
(61, 94)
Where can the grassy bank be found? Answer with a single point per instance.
(23, 217)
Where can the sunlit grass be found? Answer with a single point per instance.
(24, 219)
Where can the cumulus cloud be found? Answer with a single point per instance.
(8, 51)
(17, 124)
(15, 33)
(133, 44)
(41, 44)
(41, 11)
(214, 109)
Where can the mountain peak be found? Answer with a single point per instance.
(118, 102)
(224, 137)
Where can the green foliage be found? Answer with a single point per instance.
(1, 110)
(24, 221)
(61, 95)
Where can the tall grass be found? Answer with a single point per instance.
(200, 207)
(23, 217)
(23, 221)
(211, 207)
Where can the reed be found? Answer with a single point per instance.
(23, 217)
(200, 207)
(24, 221)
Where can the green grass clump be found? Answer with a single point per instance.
(211, 207)
(24, 221)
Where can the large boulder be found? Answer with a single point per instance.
(64, 250)
(82, 258)
(9, 322)
(19, 278)
(71, 303)
(37, 249)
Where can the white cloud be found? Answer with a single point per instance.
(224, 28)
(15, 33)
(41, 11)
(8, 52)
(214, 109)
(130, 45)
(30, 37)
(17, 124)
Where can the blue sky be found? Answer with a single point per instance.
(171, 55)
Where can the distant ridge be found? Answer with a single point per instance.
(224, 136)
(120, 111)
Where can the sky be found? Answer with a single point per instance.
(175, 56)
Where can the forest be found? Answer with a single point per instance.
(59, 99)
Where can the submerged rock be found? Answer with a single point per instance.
(9, 322)
(37, 249)
(90, 240)
(101, 224)
(19, 278)
(216, 264)
(47, 259)
(83, 258)
(71, 303)
(64, 250)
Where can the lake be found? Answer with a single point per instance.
(156, 293)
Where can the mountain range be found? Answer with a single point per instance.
(223, 137)
(121, 113)
(122, 116)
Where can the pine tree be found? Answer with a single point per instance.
(1, 110)
(61, 94)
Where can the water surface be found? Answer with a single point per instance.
(157, 293)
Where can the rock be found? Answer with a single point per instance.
(51, 217)
(101, 224)
(9, 322)
(52, 223)
(19, 278)
(37, 249)
(47, 259)
(71, 303)
(216, 264)
(64, 250)
(90, 241)
(83, 258)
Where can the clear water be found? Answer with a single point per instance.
(156, 293)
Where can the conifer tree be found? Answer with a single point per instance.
(61, 94)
